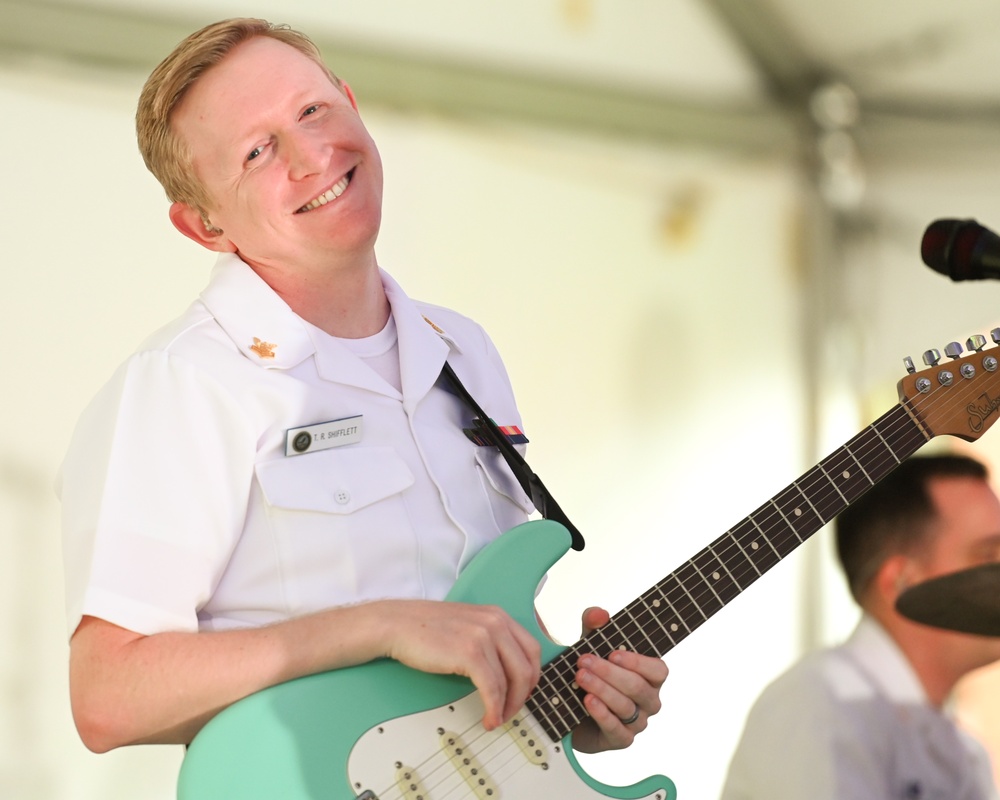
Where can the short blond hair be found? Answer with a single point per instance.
(166, 155)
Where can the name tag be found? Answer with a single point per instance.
(323, 436)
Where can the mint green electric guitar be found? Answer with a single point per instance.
(382, 731)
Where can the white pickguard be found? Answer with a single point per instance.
(445, 754)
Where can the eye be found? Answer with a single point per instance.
(257, 152)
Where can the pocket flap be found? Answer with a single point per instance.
(337, 481)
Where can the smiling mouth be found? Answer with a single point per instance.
(331, 194)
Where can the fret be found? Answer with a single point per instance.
(902, 435)
(843, 472)
(602, 633)
(700, 598)
(887, 446)
(799, 516)
(857, 463)
(730, 559)
(755, 545)
(746, 555)
(872, 455)
(550, 710)
(706, 581)
(631, 640)
(716, 574)
(655, 607)
(825, 497)
(780, 536)
(647, 625)
(822, 467)
(678, 633)
(786, 520)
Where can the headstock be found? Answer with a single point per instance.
(959, 397)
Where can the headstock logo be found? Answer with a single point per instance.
(981, 410)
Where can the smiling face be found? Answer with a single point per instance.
(294, 178)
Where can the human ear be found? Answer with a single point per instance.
(350, 94)
(896, 574)
(196, 226)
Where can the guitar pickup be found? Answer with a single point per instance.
(409, 783)
(533, 746)
(468, 766)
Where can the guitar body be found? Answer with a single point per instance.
(382, 730)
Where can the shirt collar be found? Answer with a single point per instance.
(871, 647)
(423, 344)
(270, 334)
(258, 321)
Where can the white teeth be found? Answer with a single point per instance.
(332, 194)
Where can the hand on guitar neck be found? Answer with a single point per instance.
(503, 660)
(623, 686)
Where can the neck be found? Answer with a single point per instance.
(930, 653)
(347, 302)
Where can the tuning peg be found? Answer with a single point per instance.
(953, 350)
(908, 363)
(976, 342)
(995, 335)
(932, 357)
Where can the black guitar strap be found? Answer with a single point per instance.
(530, 482)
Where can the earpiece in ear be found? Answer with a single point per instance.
(209, 226)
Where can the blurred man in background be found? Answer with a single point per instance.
(867, 719)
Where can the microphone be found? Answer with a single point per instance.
(962, 249)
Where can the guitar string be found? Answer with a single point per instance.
(431, 767)
(822, 507)
(824, 504)
(722, 550)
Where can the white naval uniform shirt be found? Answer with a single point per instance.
(181, 510)
(853, 723)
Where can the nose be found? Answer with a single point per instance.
(306, 155)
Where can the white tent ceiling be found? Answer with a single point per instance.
(737, 73)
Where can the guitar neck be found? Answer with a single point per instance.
(669, 611)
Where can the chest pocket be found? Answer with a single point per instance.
(337, 481)
(499, 480)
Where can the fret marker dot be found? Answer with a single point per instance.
(621, 647)
(754, 545)
(656, 604)
(798, 512)
(715, 576)
(555, 701)
(845, 474)
(673, 627)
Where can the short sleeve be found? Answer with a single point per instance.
(154, 489)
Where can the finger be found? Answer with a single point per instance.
(508, 667)
(626, 678)
(594, 618)
(614, 732)
(604, 682)
(653, 670)
(521, 660)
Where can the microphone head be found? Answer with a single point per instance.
(962, 249)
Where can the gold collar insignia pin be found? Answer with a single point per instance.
(263, 349)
